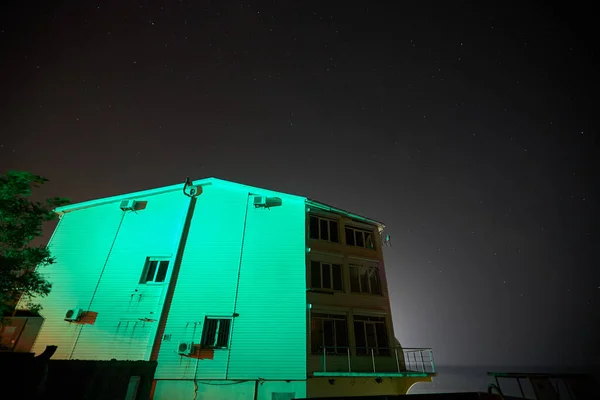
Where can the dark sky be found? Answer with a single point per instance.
(466, 128)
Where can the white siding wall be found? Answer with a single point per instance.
(81, 244)
(184, 390)
(268, 339)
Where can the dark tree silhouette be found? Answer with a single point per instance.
(21, 221)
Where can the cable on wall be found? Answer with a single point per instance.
(112, 245)
(237, 286)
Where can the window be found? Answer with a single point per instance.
(155, 270)
(323, 229)
(359, 237)
(329, 332)
(371, 336)
(215, 333)
(325, 276)
(364, 279)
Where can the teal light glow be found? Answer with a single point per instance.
(374, 374)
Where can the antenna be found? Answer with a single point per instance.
(386, 240)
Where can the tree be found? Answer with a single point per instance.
(21, 221)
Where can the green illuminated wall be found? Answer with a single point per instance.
(88, 277)
(101, 252)
(268, 338)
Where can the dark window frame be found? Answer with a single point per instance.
(339, 342)
(371, 335)
(372, 284)
(326, 270)
(155, 270)
(316, 231)
(359, 237)
(216, 333)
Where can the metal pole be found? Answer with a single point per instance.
(373, 358)
(324, 359)
(498, 385)
(416, 362)
(520, 387)
(397, 362)
(349, 366)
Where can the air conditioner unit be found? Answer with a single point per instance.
(73, 314)
(260, 201)
(266, 202)
(185, 348)
(127, 205)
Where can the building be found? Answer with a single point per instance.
(236, 291)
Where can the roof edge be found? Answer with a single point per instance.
(165, 189)
(127, 196)
(207, 182)
(327, 207)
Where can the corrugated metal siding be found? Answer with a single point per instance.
(81, 245)
(230, 390)
(206, 282)
(268, 338)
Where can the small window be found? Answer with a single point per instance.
(215, 333)
(323, 229)
(155, 271)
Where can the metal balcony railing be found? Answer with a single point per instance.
(396, 360)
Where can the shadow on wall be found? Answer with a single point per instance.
(42, 378)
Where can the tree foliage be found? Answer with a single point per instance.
(21, 221)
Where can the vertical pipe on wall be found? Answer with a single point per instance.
(112, 246)
(237, 286)
(164, 312)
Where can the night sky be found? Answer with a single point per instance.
(468, 129)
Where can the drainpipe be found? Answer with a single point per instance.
(164, 313)
(237, 286)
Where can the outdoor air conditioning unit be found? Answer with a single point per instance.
(266, 202)
(260, 201)
(185, 348)
(127, 205)
(73, 314)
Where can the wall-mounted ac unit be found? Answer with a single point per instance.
(266, 202)
(73, 314)
(185, 348)
(127, 205)
(260, 201)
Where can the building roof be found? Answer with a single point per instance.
(207, 182)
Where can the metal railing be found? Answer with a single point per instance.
(373, 360)
(419, 360)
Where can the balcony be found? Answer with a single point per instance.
(391, 362)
